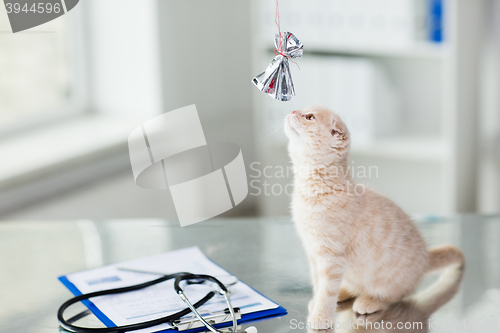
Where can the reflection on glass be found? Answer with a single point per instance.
(410, 315)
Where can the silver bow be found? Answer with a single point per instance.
(276, 80)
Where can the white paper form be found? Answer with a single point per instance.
(161, 300)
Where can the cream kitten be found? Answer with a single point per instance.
(358, 242)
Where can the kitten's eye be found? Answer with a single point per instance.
(334, 132)
(310, 117)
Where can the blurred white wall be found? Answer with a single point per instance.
(206, 60)
(123, 52)
(489, 125)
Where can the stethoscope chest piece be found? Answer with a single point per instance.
(213, 318)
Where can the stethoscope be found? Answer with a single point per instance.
(182, 276)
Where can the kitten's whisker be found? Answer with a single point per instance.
(275, 130)
(271, 129)
(281, 135)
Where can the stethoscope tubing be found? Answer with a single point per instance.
(132, 327)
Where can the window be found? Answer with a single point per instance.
(37, 72)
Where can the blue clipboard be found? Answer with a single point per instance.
(245, 318)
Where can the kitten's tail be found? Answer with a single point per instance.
(443, 256)
(445, 288)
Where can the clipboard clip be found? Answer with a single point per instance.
(213, 318)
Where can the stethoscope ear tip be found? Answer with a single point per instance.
(251, 329)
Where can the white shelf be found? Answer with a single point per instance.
(407, 148)
(418, 50)
(421, 50)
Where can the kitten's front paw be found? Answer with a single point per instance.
(320, 322)
(367, 305)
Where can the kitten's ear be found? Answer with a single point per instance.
(338, 128)
(335, 129)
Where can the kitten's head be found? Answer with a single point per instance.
(318, 133)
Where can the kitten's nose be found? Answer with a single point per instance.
(294, 112)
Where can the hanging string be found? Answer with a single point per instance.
(278, 24)
(279, 50)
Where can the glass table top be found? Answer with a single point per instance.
(266, 253)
